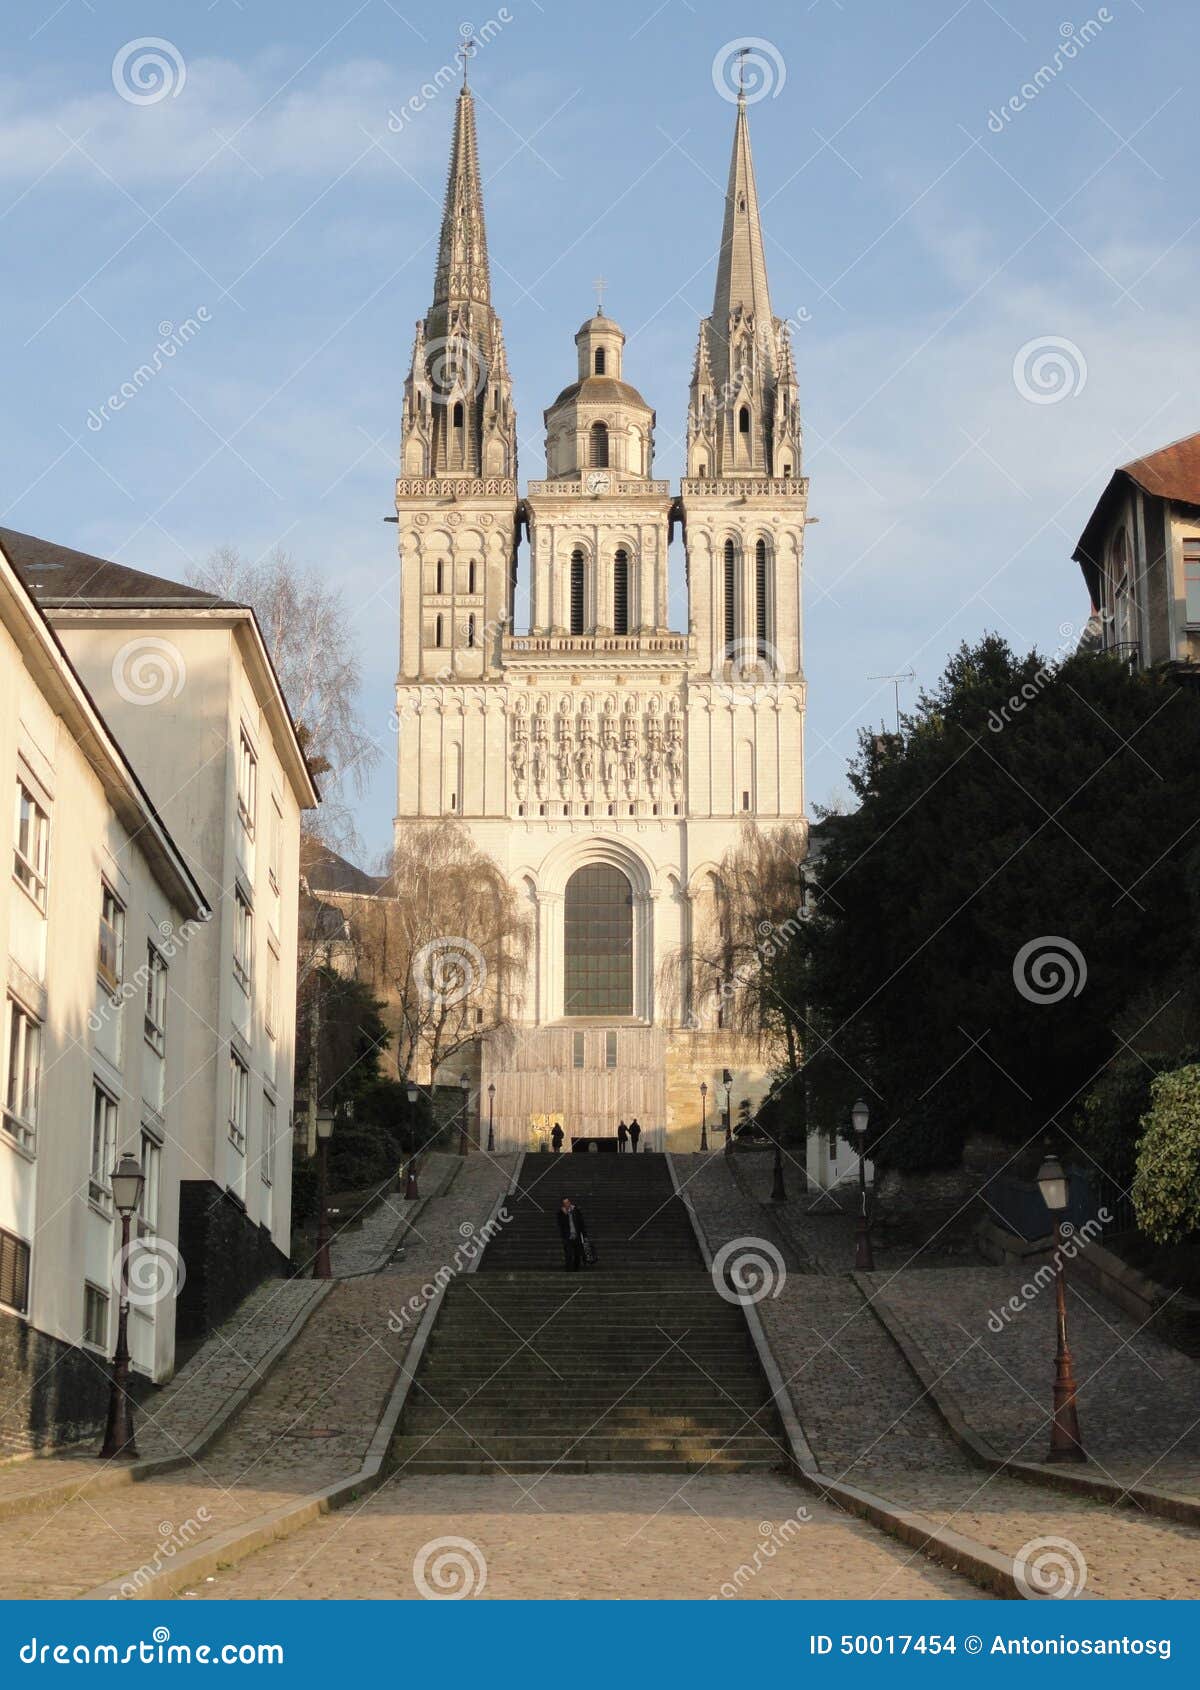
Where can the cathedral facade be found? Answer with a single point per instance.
(603, 759)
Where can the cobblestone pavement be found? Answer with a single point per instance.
(1139, 1399)
(725, 1211)
(359, 1245)
(308, 1424)
(594, 1537)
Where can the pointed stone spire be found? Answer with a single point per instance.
(742, 266)
(462, 264)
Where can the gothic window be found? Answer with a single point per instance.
(702, 471)
(730, 598)
(438, 630)
(600, 361)
(787, 472)
(577, 592)
(598, 446)
(760, 597)
(458, 414)
(744, 420)
(598, 942)
(471, 631)
(621, 593)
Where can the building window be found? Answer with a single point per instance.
(577, 1050)
(577, 592)
(760, 597)
(471, 576)
(598, 942)
(610, 1049)
(272, 1004)
(702, 471)
(239, 1100)
(745, 800)
(148, 1211)
(156, 1000)
(95, 1316)
(599, 360)
(24, 1067)
(438, 630)
(31, 841)
(470, 632)
(243, 941)
(621, 593)
(598, 446)
(744, 420)
(275, 866)
(833, 1144)
(1191, 579)
(267, 1165)
(104, 1144)
(730, 564)
(458, 414)
(111, 955)
(440, 576)
(247, 788)
(14, 1272)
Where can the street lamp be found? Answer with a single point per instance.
(491, 1117)
(127, 1183)
(321, 1267)
(727, 1084)
(411, 1194)
(864, 1260)
(704, 1114)
(465, 1084)
(1065, 1441)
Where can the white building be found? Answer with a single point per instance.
(185, 683)
(99, 917)
(603, 759)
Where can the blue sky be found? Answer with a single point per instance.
(924, 236)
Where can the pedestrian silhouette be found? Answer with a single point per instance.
(574, 1234)
(622, 1137)
(635, 1132)
(556, 1138)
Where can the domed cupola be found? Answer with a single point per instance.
(599, 422)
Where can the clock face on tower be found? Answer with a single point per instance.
(598, 481)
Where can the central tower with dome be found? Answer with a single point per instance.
(605, 761)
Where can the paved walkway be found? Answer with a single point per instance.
(597, 1538)
(307, 1425)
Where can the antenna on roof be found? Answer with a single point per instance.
(904, 675)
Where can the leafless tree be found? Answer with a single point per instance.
(308, 634)
(445, 941)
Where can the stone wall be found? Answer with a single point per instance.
(225, 1254)
(51, 1392)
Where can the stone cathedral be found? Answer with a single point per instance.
(605, 761)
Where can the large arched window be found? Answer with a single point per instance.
(730, 593)
(598, 446)
(621, 592)
(577, 592)
(760, 598)
(598, 942)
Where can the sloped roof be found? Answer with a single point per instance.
(326, 871)
(601, 390)
(1171, 473)
(58, 576)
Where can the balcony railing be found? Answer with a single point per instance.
(610, 645)
(596, 482)
(773, 487)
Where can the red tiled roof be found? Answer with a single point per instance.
(1172, 473)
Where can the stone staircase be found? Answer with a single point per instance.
(634, 1365)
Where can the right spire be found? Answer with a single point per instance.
(743, 418)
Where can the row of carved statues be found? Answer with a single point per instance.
(618, 742)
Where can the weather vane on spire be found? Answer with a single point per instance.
(464, 51)
(742, 52)
(600, 285)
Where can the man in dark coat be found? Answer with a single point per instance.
(635, 1132)
(571, 1226)
(556, 1138)
(622, 1137)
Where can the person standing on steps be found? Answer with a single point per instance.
(556, 1138)
(571, 1226)
(622, 1137)
(635, 1132)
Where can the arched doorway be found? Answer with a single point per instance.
(598, 942)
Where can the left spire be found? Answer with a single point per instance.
(462, 264)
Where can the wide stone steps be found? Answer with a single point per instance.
(635, 1365)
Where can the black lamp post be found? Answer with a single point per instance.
(465, 1086)
(704, 1114)
(127, 1183)
(864, 1260)
(727, 1083)
(321, 1266)
(1065, 1441)
(491, 1117)
(411, 1194)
